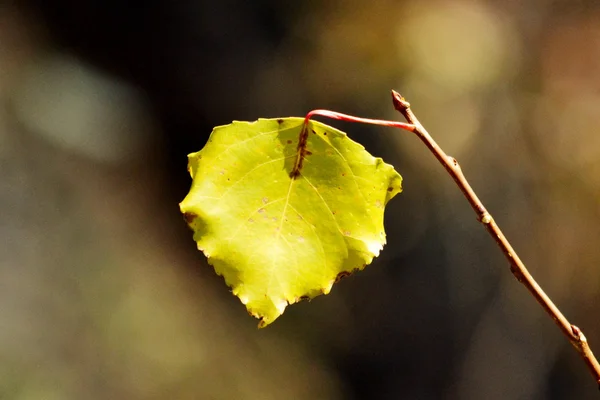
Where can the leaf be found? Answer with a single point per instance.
(283, 212)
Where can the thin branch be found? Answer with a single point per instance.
(573, 333)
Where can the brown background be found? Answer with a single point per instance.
(103, 294)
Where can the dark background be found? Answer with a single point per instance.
(103, 293)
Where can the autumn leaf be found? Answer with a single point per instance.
(283, 209)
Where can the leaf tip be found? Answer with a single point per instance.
(374, 247)
(244, 299)
(281, 305)
(328, 286)
(262, 323)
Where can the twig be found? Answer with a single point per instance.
(573, 333)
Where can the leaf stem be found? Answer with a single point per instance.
(518, 269)
(351, 118)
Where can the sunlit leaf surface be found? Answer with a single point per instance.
(282, 212)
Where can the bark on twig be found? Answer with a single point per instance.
(518, 269)
(572, 332)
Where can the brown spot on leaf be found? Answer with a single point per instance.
(313, 131)
(280, 121)
(390, 189)
(250, 220)
(265, 200)
(308, 153)
(189, 217)
(300, 152)
(289, 141)
(261, 210)
(342, 275)
(304, 298)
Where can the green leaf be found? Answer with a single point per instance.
(283, 221)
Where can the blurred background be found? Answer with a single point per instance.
(103, 294)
